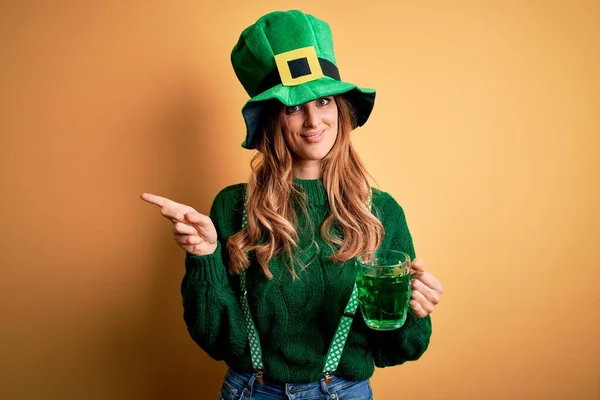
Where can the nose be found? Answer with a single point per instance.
(312, 118)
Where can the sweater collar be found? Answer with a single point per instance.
(316, 194)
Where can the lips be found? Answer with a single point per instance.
(313, 137)
(313, 134)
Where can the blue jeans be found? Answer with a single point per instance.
(244, 386)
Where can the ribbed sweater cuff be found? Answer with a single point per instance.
(421, 326)
(209, 269)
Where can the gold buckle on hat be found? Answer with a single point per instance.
(307, 53)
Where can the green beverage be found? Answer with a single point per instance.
(384, 288)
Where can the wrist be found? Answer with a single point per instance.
(207, 250)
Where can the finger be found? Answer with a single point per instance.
(430, 294)
(154, 199)
(169, 208)
(430, 281)
(417, 310)
(195, 217)
(175, 211)
(181, 228)
(184, 240)
(423, 301)
(417, 265)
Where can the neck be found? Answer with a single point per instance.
(307, 169)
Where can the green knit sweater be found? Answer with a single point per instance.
(295, 319)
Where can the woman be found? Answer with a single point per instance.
(270, 272)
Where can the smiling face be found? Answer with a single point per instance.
(310, 132)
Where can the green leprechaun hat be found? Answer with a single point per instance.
(288, 56)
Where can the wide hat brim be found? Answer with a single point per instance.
(362, 101)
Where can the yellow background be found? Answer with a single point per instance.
(486, 130)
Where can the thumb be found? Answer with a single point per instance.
(195, 217)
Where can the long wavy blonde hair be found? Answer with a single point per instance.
(273, 199)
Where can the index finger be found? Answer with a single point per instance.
(417, 265)
(168, 208)
(154, 199)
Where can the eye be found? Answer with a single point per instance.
(292, 109)
(323, 101)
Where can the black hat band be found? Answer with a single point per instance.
(298, 67)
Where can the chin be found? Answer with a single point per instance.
(317, 155)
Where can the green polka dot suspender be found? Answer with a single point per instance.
(339, 338)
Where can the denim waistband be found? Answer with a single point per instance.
(282, 389)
